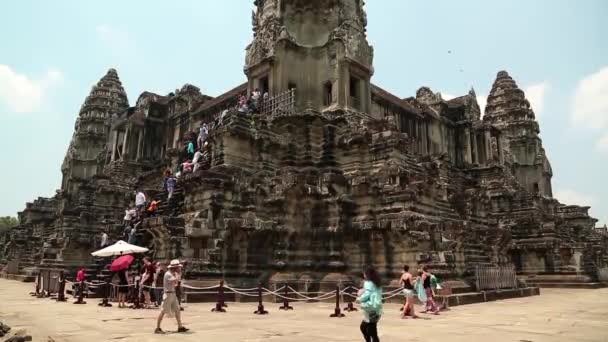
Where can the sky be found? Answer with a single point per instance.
(53, 52)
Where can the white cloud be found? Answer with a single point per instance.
(23, 94)
(591, 100)
(602, 144)
(573, 197)
(535, 93)
(447, 96)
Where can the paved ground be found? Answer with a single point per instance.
(556, 315)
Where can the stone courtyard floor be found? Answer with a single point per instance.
(556, 315)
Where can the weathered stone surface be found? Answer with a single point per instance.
(332, 175)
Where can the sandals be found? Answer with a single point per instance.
(159, 331)
(182, 329)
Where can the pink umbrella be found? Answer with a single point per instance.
(122, 263)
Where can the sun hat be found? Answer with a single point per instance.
(175, 263)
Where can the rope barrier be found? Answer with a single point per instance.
(285, 293)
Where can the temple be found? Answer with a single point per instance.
(330, 174)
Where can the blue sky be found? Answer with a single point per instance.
(52, 52)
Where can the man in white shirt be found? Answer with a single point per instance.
(140, 201)
(104, 239)
(170, 305)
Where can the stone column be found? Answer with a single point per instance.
(114, 143)
(467, 146)
(140, 145)
(475, 153)
(125, 143)
(488, 143)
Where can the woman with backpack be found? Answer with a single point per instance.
(370, 298)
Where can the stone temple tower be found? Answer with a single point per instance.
(318, 47)
(86, 154)
(510, 111)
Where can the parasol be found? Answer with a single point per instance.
(119, 248)
(122, 263)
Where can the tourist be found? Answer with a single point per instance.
(130, 214)
(222, 117)
(370, 298)
(123, 288)
(147, 280)
(140, 201)
(105, 241)
(158, 282)
(256, 96)
(202, 160)
(202, 135)
(153, 208)
(187, 166)
(190, 149)
(133, 234)
(169, 184)
(428, 291)
(80, 279)
(198, 155)
(170, 305)
(242, 106)
(407, 282)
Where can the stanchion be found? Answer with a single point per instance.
(137, 297)
(105, 302)
(36, 292)
(48, 284)
(286, 305)
(260, 310)
(220, 305)
(350, 307)
(61, 292)
(337, 312)
(80, 299)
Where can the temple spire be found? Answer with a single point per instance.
(86, 153)
(106, 97)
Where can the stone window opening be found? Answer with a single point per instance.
(354, 92)
(536, 188)
(328, 98)
(264, 85)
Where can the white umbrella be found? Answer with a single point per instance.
(119, 248)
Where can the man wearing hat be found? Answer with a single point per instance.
(170, 306)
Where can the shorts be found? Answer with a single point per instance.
(170, 304)
(123, 288)
(409, 293)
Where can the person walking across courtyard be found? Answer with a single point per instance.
(370, 298)
(426, 284)
(407, 282)
(170, 306)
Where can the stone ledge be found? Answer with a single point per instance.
(19, 277)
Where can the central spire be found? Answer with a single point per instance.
(318, 47)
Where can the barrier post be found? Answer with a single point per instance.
(47, 284)
(36, 286)
(137, 296)
(350, 307)
(286, 305)
(61, 293)
(80, 299)
(337, 312)
(220, 305)
(260, 310)
(105, 302)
